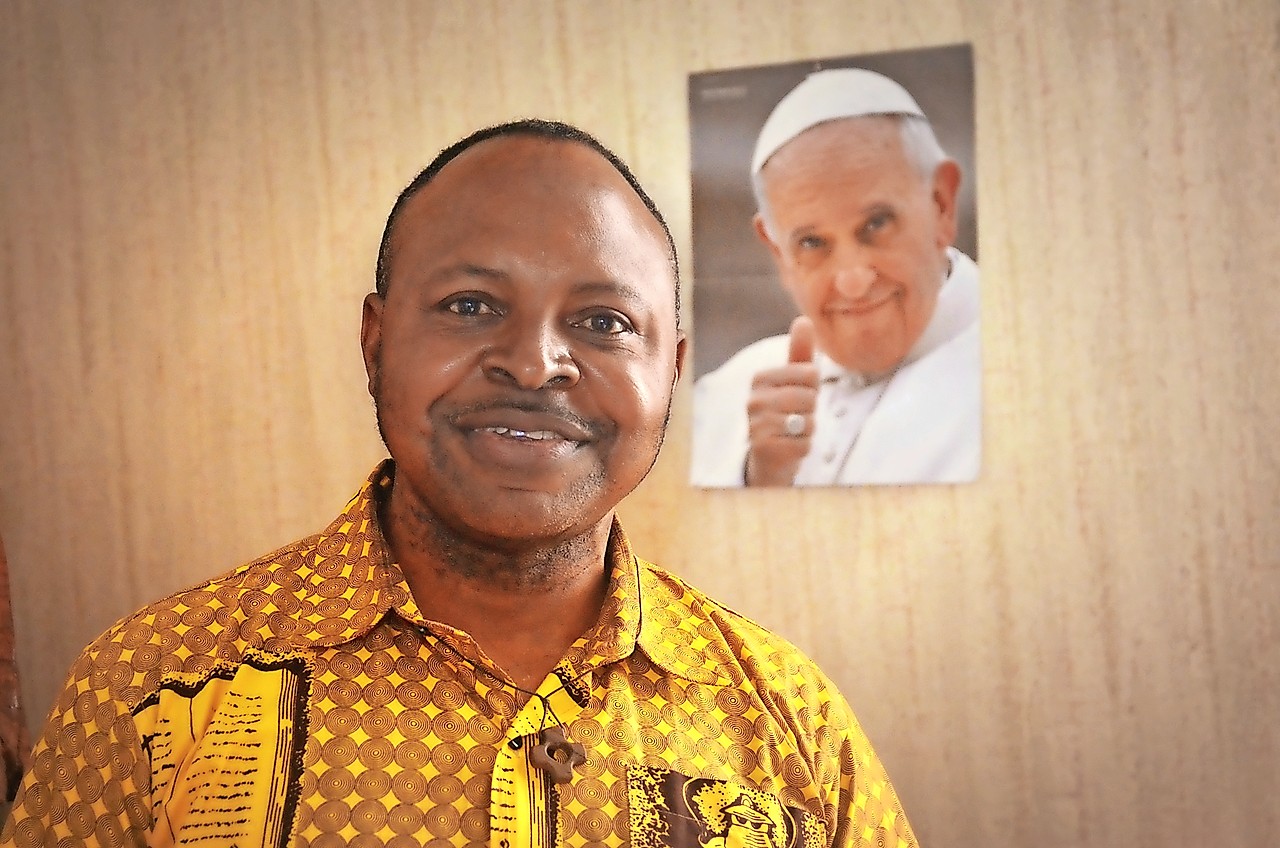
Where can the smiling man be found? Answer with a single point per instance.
(878, 380)
(470, 654)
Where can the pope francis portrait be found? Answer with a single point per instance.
(878, 380)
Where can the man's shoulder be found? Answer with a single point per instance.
(739, 649)
(319, 590)
(197, 630)
(727, 620)
(266, 575)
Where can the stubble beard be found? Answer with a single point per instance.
(508, 566)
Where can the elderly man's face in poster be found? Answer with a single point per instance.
(859, 235)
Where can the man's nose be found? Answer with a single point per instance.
(854, 275)
(531, 355)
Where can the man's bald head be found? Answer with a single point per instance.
(553, 130)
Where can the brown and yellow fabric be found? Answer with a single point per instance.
(304, 700)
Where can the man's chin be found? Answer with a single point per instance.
(870, 362)
(509, 517)
(512, 530)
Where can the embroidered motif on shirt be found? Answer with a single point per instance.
(671, 810)
(225, 762)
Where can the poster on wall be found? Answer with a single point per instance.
(835, 281)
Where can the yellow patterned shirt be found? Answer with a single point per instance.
(304, 699)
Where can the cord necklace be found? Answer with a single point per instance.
(555, 753)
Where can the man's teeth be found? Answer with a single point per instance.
(533, 435)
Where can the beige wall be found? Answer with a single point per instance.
(1079, 650)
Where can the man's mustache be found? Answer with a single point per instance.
(536, 405)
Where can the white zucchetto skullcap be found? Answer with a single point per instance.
(827, 96)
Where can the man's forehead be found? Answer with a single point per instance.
(518, 160)
(524, 169)
(508, 185)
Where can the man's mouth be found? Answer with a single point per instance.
(521, 441)
(862, 306)
(527, 435)
(524, 422)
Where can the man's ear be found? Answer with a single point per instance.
(371, 335)
(682, 347)
(946, 187)
(762, 233)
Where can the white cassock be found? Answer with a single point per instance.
(920, 424)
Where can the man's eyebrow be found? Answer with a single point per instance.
(626, 291)
(877, 207)
(880, 207)
(802, 231)
(614, 288)
(469, 270)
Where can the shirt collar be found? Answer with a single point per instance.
(667, 619)
(341, 577)
(346, 582)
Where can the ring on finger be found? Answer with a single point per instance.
(794, 424)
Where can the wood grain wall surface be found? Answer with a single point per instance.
(1079, 650)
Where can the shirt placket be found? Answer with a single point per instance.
(830, 433)
(523, 803)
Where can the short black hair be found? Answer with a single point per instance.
(537, 128)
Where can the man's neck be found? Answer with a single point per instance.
(524, 607)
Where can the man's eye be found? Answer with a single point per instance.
(468, 306)
(606, 323)
(875, 224)
(807, 243)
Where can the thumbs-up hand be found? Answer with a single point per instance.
(780, 412)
